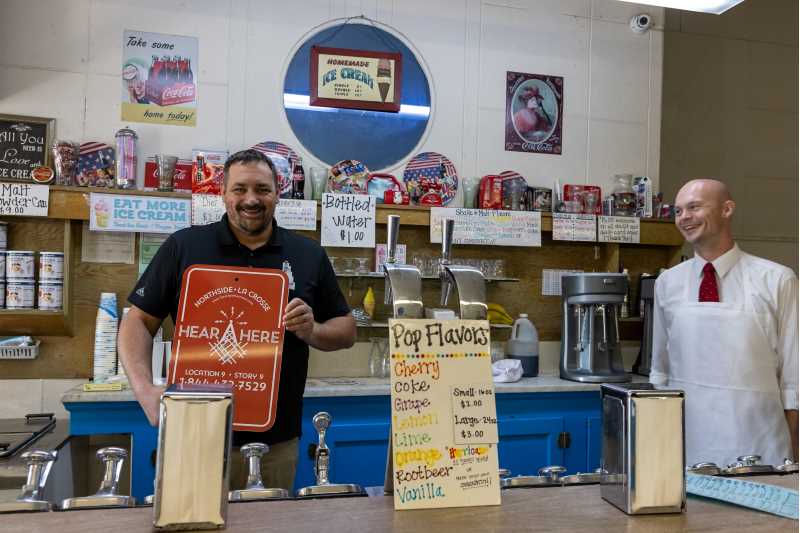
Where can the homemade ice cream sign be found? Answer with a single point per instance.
(158, 78)
(230, 330)
(444, 421)
(148, 214)
(355, 79)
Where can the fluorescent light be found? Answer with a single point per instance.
(301, 101)
(717, 7)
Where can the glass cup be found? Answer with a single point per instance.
(319, 177)
(590, 200)
(165, 170)
(470, 191)
(335, 264)
(362, 265)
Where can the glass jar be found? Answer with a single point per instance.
(624, 197)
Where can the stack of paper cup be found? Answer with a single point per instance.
(105, 338)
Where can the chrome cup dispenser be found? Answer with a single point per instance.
(647, 285)
(590, 342)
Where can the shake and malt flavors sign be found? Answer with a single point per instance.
(159, 84)
(230, 331)
(444, 420)
(355, 79)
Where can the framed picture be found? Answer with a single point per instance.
(534, 113)
(24, 145)
(355, 79)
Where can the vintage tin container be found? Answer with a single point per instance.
(3, 235)
(2, 265)
(50, 296)
(194, 449)
(51, 266)
(20, 294)
(20, 265)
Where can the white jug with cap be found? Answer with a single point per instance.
(524, 345)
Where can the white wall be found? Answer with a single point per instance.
(62, 59)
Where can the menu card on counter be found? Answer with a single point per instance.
(348, 220)
(489, 226)
(24, 199)
(574, 227)
(618, 229)
(296, 214)
(444, 419)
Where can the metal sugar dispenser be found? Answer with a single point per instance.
(108, 493)
(31, 497)
(322, 461)
(590, 341)
(254, 489)
(468, 281)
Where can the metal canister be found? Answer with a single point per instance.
(19, 294)
(50, 296)
(2, 265)
(51, 266)
(126, 141)
(3, 235)
(20, 265)
(2, 294)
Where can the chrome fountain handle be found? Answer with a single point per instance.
(252, 453)
(392, 232)
(553, 473)
(113, 458)
(749, 460)
(448, 224)
(321, 423)
(39, 465)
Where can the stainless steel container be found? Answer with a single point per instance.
(194, 449)
(643, 458)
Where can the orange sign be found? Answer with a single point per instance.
(230, 330)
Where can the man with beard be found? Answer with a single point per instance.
(247, 236)
(725, 332)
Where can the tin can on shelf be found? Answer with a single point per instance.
(2, 294)
(51, 266)
(3, 235)
(3, 265)
(19, 294)
(20, 265)
(50, 296)
(126, 144)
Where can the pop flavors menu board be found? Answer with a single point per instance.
(444, 420)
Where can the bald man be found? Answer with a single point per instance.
(725, 331)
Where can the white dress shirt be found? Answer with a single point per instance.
(773, 294)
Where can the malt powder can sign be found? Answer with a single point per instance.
(230, 330)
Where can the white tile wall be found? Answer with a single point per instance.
(23, 396)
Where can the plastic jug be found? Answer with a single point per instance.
(524, 345)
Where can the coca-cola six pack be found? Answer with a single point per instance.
(170, 81)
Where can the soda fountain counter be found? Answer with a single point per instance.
(577, 508)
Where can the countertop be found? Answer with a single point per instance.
(577, 508)
(328, 387)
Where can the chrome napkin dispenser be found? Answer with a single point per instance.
(643, 459)
(194, 449)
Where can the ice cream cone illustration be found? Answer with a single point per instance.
(101, 214)
(384, 77)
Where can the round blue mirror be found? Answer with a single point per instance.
(378, 139)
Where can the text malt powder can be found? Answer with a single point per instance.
(50, 296)
(19, 265)
(51, 266)
(3, 235)
(19, 294)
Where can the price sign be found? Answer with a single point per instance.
(618, 229)
(574, 227)
(348, 220)
(489, 227)
(207, 208)
(297, 214)
(444, 420)
(23, 199)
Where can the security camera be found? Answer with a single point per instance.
(641, 23)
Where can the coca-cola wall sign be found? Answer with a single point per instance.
(534, 113)
(24, 145)
(159, 81)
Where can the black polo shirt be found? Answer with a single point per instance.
(158, 291)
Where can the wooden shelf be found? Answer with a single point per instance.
(34, 322)
(378, 275)
(73, 203)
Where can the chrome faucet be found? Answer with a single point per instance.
(31, 496)
(254, 488)
(106, 495)
(469, 282)
(403, 287)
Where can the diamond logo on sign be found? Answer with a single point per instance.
(228, 349)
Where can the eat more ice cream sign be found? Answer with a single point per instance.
(148, 214)
(355, 79)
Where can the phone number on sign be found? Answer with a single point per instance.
(255, 386)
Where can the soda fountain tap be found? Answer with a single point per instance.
(469, 281)
(403, 282)
(254, 488)
(31, 496)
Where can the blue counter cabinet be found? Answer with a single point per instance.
(536, 429)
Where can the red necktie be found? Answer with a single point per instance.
(708, 287)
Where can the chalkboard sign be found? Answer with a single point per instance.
(24, 145)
